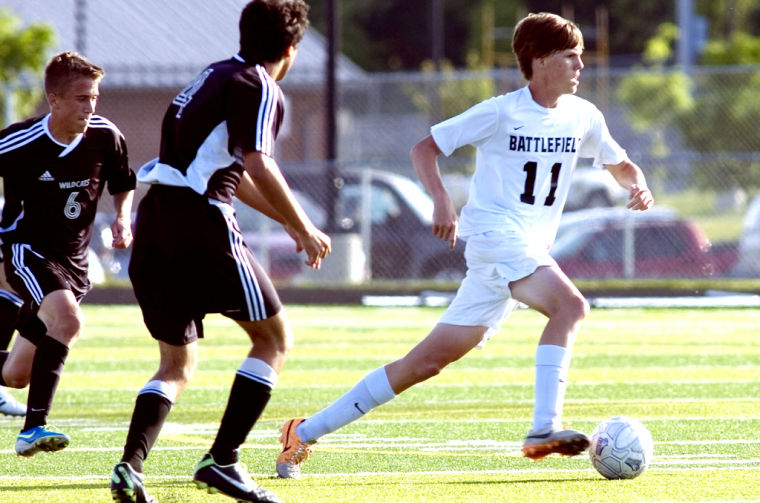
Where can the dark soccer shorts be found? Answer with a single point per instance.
(32, 277)
(189, 259)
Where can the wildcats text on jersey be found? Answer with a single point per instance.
(519, 143)
(74, 184)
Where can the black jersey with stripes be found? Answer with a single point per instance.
(54, 188)
(208, 128)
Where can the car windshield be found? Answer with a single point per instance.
(570, 242)
(416, 197)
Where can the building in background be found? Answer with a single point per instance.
(150, 49)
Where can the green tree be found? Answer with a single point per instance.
(716, 113)
(23, 50)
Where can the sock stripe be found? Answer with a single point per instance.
(160, 388)
(254, 377)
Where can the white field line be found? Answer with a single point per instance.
(433, 385)
(520, 471)
(353, 442)
(511, 401)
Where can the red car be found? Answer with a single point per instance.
(637, 246)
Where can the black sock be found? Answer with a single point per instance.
(3, 357)
(47, 367)
(10, 305)
(148, 418)
(247, 401)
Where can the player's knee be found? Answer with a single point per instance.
(581, 307)
(15, 379)
(427, 369)
(575, 308)
(66, 327)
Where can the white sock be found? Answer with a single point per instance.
(259, 371)
(373, 390)
(160, 388)
(551, 381)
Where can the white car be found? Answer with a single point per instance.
(749, 243)
(594, 188)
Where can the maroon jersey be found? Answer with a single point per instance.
(58, 186)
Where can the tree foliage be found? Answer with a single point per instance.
(715, 112)
(23, 50)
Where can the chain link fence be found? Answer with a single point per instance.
(700, 156)
(701, 161)
(693, 135)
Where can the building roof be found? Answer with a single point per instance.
(154, 43)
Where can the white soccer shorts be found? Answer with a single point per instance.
(494, 259)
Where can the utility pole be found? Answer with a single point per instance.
(80, 26)
(436, 53)
(331, 106)
(685, 48)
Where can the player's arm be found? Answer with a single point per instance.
(249, 194)
(425, 161)
(630, 177)
(121, 228)
(271, 185)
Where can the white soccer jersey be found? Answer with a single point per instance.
(525, 157)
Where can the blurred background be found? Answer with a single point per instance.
(678, 82)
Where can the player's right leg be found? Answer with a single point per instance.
(152, 406)
(10, 306)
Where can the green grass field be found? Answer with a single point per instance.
(691, 376)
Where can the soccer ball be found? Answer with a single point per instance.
(621, 448)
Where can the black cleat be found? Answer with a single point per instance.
(127, 485)
(230, 480)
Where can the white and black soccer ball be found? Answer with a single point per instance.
(621, 448)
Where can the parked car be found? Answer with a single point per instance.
(273, 247)
(399, 215)
(748, 264)
(594, 188)
(623, 243)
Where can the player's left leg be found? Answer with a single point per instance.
(220, 469)
(550, 292)
(60, 313)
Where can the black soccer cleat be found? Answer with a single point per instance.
(127, 485)
(230, 480)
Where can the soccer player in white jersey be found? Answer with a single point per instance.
(528, 142)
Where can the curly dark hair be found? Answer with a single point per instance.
(269, 27)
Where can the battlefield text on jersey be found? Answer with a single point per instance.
(518, 143)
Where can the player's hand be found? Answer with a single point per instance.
(317, 246)
(121, 229)
(640, 198)
(294, 236)
(445, 222)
